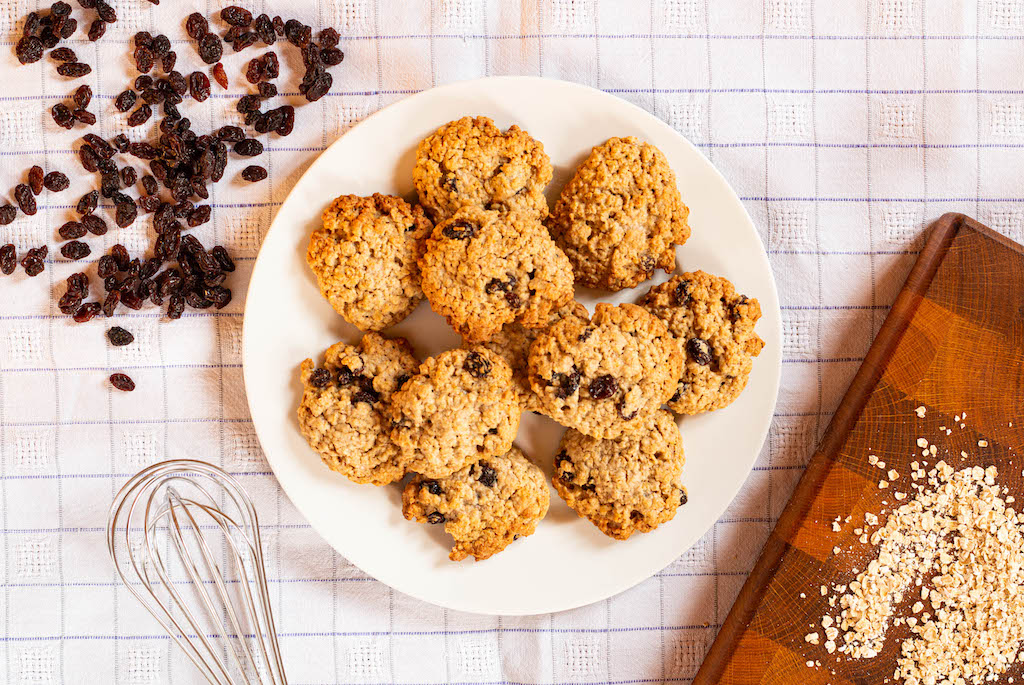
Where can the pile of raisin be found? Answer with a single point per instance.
(43, 31)
(66, 116)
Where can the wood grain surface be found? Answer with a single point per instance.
(953, 342)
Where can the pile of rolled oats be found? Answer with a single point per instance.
(956, 550)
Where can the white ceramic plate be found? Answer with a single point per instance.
(567, 562)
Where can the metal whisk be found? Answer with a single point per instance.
(166, 528)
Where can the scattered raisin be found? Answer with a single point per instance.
(86, 312)
(75, 250)
(265, 29)
(122, 382)
(125, 213)
(331, 57)
(8, 259)
(29, 49)
(26, 201)
(62, 115)
(72, 230)
(63, 55)
(603, 387)
(219, 75)
(129, 176)
(223, 259)
(160, 45)
(119, 337)
(33, 262)
(477, 365)
(86, 117)
(94, 224)
(56, 182)
(97, 29)
(318, 88)
(297, 33)
(210, 49)
(168, 61)
(329, 38)
(199, 216)
(35, 179)
(74, 69)
(82, 96)
(7, 214)
(699, 351)
(199, 86)
(254, 72)
(106, 12)
(254, 173)
(140, 116)
(196, 26)
(236, 16)
(267, 90)
(250, 147)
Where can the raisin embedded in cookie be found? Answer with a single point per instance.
(512, 343)
(626, 484)
(483, 269)
(484, 506)
(620, 217)
(345, 411)
(471, 163)
(714, 326)
(365, 258)
(605, 377)
(461, 407)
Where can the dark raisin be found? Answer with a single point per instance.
(459, 230)
(75, 250)
(175, 306)
(178, 83)
(254, 71)
(82, 96)
(72, 230)
(74, 69)
(94, 224)
(7, 214)
(488, 476)
(8, 259)
(50, 37)
(219, 75)
(243, 41)
(97, 29)
(267, 90)
(265, 29)
(319, 87)
(271, 65)
(100, 146)
(119, 337)
(254, 173)
(250, 147)
(120, 142)
(168, 61)
(86, 312)
(331, 57)
(278, 24)
(236, 16)
(683, 498)
(125, 214)
(140, 116)
(26, 201)
(85, 116)
(432, 486)
(196, 26)
(56, 182)
(106, 266)
(143, 151)
(111, 301)
(566, 384)
(319, 378)
(647, 264)
(122, 382)
(623, 413)
(60, 9)
(33, 265)
(129, 176)
(603, 387)
(87, 203)
(35, 179)
(63, 55)
(199, 86)
(153, 96)
(221, 297)
(62, 115)
(223, 258)
(29, 50)
(435, 517)
(199, 216)
(682, 294)
(329, 38)
(230, 134)
(31, 25)
(160, 45)
(297, 33)
(288, 120)
(699, 351)
(106, 12)
(144, 82)
(477, 365)
(210, 48)
(248, 103)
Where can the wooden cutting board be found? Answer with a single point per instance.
(954, 343)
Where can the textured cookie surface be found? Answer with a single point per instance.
(512, 343)
(483, 269)
(606, 376)
(620, 217)
(461, 407)
(345, 410)
(471, 163)
(365, 257)
(714, 326)
(627, 484)
(484, 506)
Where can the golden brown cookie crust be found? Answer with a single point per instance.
(469, 162)
(620, 216)
(627, 484)
(605, 377)
(365, 257)
(347, 420)
(484, 506)
(483, 269)
(714, 326)
(461, 407)
(512, 343)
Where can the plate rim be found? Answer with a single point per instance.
(629, 580)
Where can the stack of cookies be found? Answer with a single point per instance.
(486, 252)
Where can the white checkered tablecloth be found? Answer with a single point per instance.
(845, 126)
